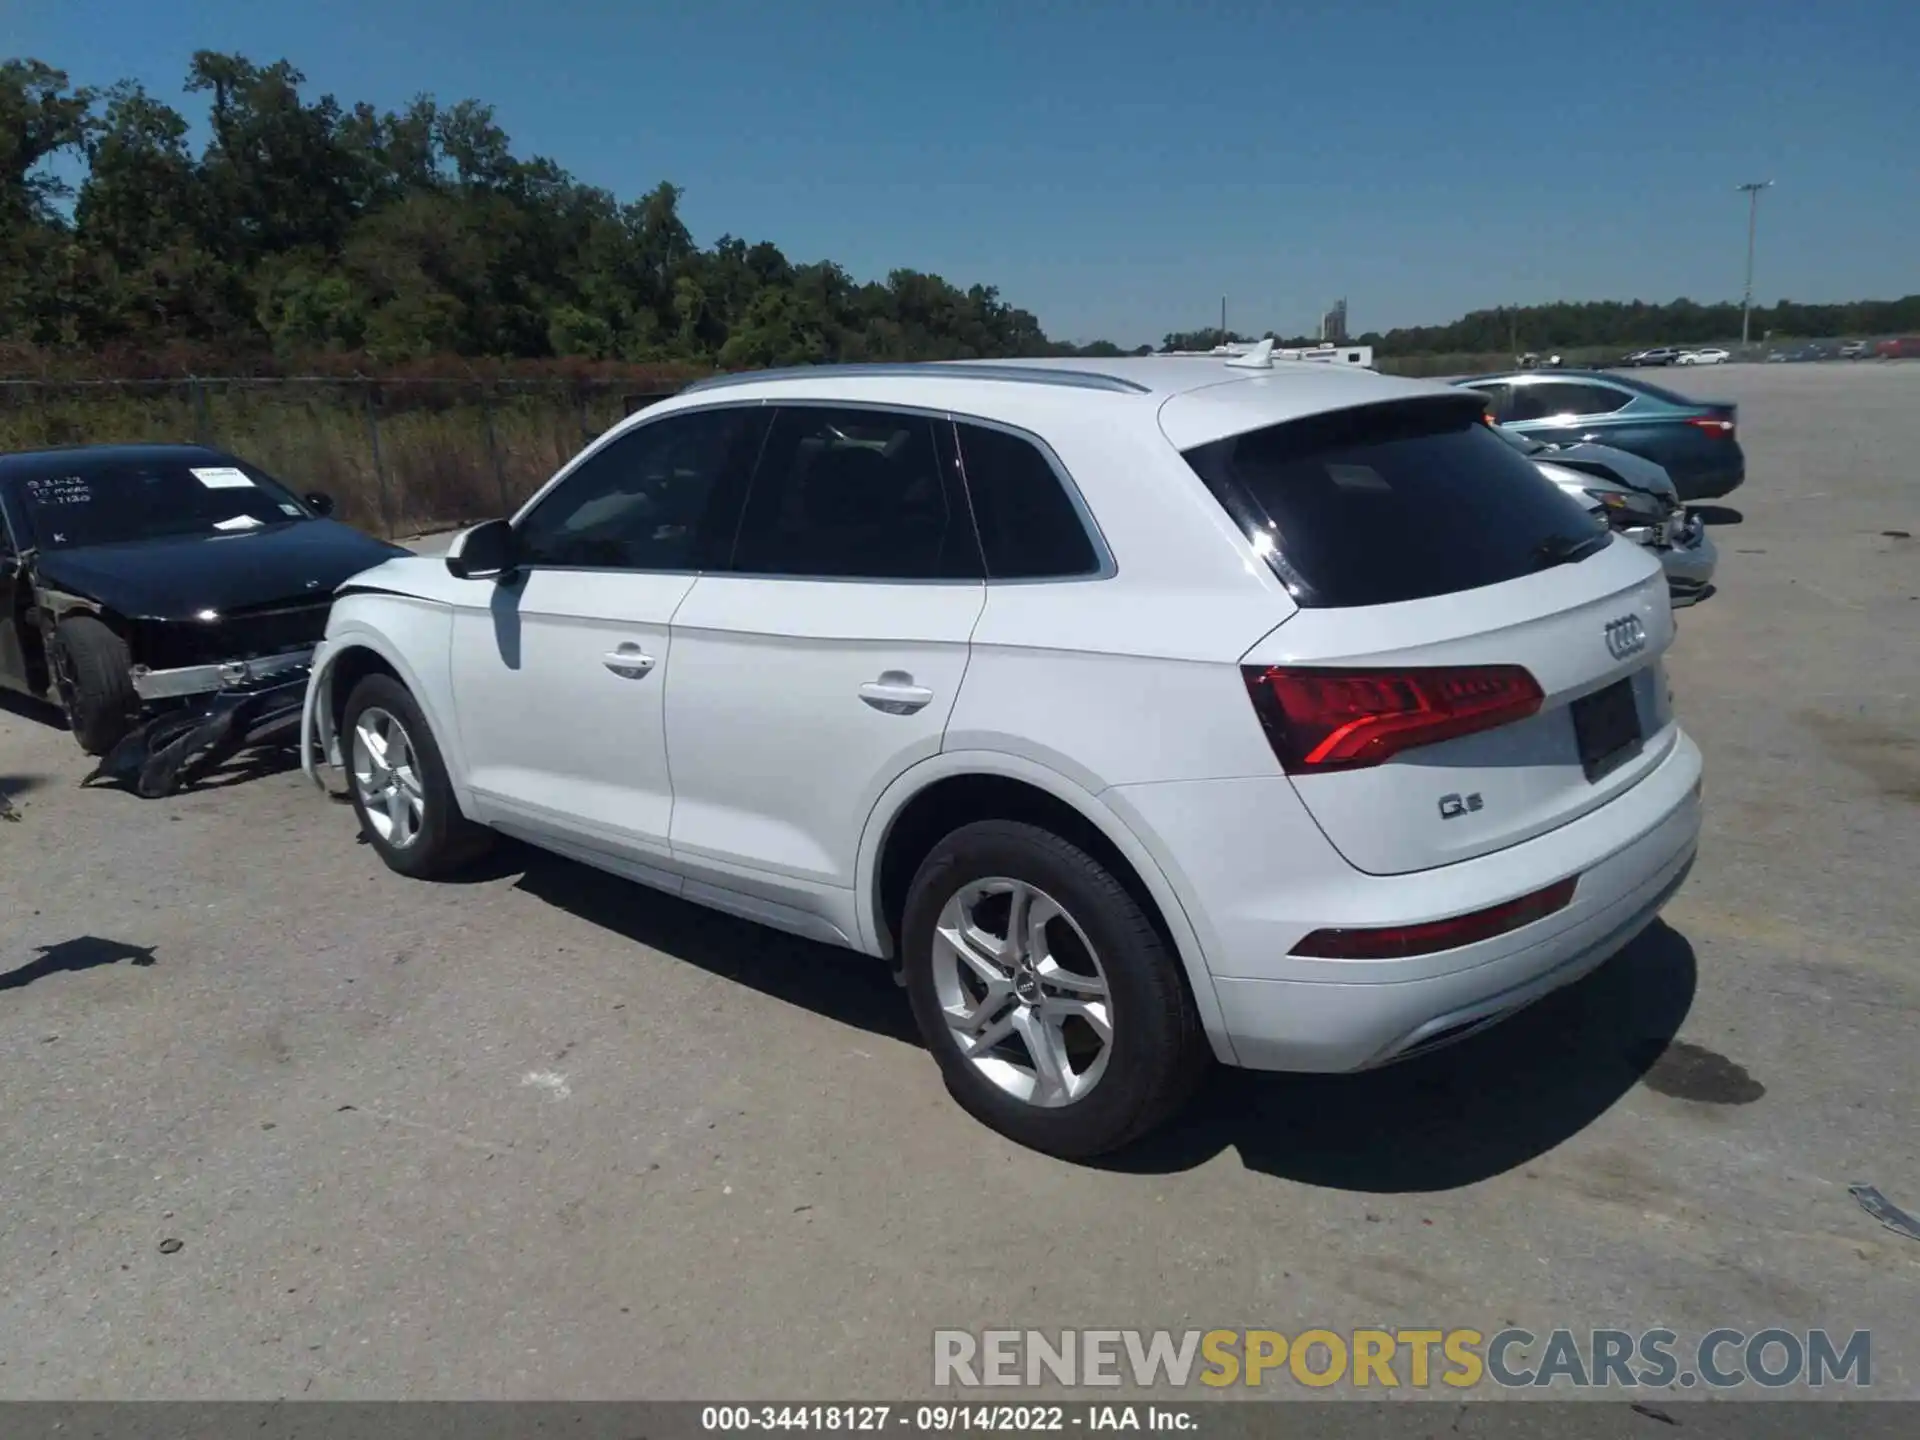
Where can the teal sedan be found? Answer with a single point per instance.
(1695, 441)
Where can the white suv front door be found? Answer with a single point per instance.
(827, 661)
(559, 670)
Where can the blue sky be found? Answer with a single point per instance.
(1117, 167)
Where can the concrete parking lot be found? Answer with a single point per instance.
(548, 1135)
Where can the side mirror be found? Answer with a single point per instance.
(321, 502)
(486, 549)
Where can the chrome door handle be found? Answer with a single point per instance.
(628, 662)
(896, 697)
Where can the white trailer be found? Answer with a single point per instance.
(1262, 355)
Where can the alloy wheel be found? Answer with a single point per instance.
(1022, 991)
(386, 777)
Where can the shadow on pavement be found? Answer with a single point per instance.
(1448, 1119)
(253, 764)
(1459, 1115)
(1717, 514)
(841, 985)
(13, 785)
(86, 952)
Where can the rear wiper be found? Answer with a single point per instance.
(1566, 549)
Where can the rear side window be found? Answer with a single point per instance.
(1385, 503)
(1029, 526)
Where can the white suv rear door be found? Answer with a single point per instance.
(827, 658)
(559, 671)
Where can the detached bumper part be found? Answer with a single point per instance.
(169, 749)
(1689, 562)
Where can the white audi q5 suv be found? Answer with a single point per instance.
(1139, 712)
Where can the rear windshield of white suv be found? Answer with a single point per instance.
(1400, 501)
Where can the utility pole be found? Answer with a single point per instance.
(1223, 319)
(1752, 189)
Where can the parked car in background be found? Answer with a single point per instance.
(174, 584)
(1855, 350)
(1709, 356)
(1636, 499)
(1905, 348)
(1694, 441)
(1660, 355)
(1138, 711)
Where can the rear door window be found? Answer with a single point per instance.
(1562, 397)
(1386, 503)
(856, 494)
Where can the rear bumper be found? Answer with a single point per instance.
(1253, 901)
(1293, 1025)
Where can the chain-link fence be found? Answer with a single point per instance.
(399, 457)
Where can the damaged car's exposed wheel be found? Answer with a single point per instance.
(399, 783)
(93, 679)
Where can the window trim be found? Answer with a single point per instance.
(607, 440)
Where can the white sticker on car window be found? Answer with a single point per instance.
(287, 507)
(222, 477)
(238, 522)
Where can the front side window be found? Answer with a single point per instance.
(665, 496)
(855, 494)
(1029, 526)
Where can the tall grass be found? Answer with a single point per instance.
(397, 458)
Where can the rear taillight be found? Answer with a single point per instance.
(1396, 942)
(1721, 429)
(1322, 720)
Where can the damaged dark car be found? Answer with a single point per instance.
(167, 598)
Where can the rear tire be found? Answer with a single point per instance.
(399, 784)
(93, 681)
(1094, 957)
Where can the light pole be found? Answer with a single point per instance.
(1753, 189)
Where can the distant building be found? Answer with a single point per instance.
(1333, 324)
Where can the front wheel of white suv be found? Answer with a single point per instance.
(399, 784)
(1056, 1011)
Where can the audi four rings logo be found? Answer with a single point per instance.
(1626, 636)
